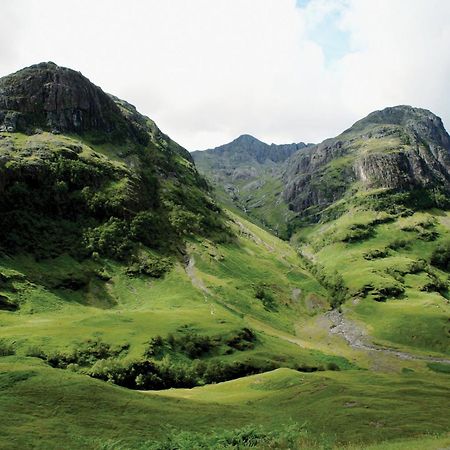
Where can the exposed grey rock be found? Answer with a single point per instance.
(399, 148)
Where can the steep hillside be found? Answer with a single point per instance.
(246, 175)
(84, 173)
(397, 157)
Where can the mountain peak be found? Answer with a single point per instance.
(247, 139)
(416, 121)
(56, 98)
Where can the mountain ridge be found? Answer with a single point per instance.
(246, 173)
(71, 152)
(248, 145)
(398, 148)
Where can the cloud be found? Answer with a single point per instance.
(209, 70)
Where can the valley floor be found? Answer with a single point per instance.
(332, 388)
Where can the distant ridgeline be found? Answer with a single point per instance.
(82, 172)
(395, 158)
(247, 175)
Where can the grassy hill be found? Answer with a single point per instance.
(390, 266)
(49, 406)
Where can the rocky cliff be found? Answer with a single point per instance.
(399, 149)
(58, 99)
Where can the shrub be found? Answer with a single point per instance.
(331, 280)
(110, 239)
(288, 436)
(441, 256)
(262, 293)
(35, 352)
(376, 253)
(242, 340)
(332, 366)
(357, 232)
(397, 244)
(7, 304)
(85, 354)
(152, 266)
(146, 227)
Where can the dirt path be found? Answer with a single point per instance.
(198, 282)
(357, 338)
(195, 280)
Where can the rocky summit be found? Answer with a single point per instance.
(398, 149)
(247, 175)
(402, 152)
(49, 97)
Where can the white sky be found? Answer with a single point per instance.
(209, 70)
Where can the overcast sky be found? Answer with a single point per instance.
(209, 70)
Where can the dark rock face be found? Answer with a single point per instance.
(399, 148)
(59, 100)
(306, 178)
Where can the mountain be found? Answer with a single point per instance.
(247, 150)
(83, 172)
(246, 174)
(398, 149)
(400, 153)
(136, 312)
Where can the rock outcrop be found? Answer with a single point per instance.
(400, 148)
(47, 96)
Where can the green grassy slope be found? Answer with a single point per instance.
(386, 264)
(213, 295)
(48, 406)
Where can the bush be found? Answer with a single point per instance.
(358, 232)
(110, 239)
(152, 266)
(332, 366)
(35, 352)
(147, 227)
(196, 346)
(165, 374)
(7, 304)
(262, 293)
(242, 340)
(332, 281)
(289, 436)
(376, 253)
(85, 354)
(441, 256)
(397, 244)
